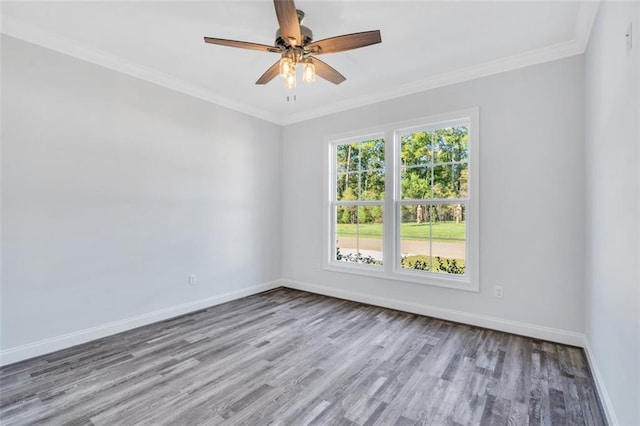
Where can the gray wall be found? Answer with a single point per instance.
(531, 186)
(114, 190)
(613, 206)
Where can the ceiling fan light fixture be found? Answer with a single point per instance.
(308, 71)
(287, 66)
(290, 80)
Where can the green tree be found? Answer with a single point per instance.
(347, 214)
(360, 168)
(434, 164)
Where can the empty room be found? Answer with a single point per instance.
(320, 212)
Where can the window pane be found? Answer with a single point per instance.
(341, 184)
(432, 238)
(451, 144)
(341, 158)
(346, 215)
(372, 154)
(360, 170)
(415, 183)
(459, 140)
(347, 186)
(450, 180)
(359, 234)
(461, 180)
(347, 157)
(415, 233)
(438, 146)
(372, 185)
(415, 148)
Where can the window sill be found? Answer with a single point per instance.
(464, 284)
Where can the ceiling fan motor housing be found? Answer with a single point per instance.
(305, 32)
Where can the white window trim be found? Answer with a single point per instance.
(391, 270)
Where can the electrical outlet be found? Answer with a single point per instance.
(498, 291)
(192, 279)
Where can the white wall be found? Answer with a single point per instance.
(532, 196)
(612, 208)
(114, 190)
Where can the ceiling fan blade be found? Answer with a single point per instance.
(288, 21)
(269, 74)
(327, 72)
(241, 44)
(345, 42)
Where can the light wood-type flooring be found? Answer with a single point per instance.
(294, 358)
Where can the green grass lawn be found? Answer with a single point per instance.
(411, 231)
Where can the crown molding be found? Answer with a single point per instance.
(584, 24)
(521, 60)
(582, 31)
(18, 29)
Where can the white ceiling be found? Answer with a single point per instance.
(425, 44)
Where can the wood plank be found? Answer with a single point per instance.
(291, 357)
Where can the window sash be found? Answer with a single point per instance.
(438, 201)
(359, 203)
(398, 242)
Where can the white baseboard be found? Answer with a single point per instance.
(20, 353)
(30, 350)
(515, 327)
(605, 401)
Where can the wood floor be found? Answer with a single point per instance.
(295, 358)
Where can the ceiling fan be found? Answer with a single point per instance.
(294, 42)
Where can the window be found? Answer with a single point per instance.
(358, 200)
(406, 209)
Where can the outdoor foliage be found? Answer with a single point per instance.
(356, 258)
(433, 165)
(419, 262)
(360, 176)
(438, 264)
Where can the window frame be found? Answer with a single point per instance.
(391, 269)
(358, 137)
